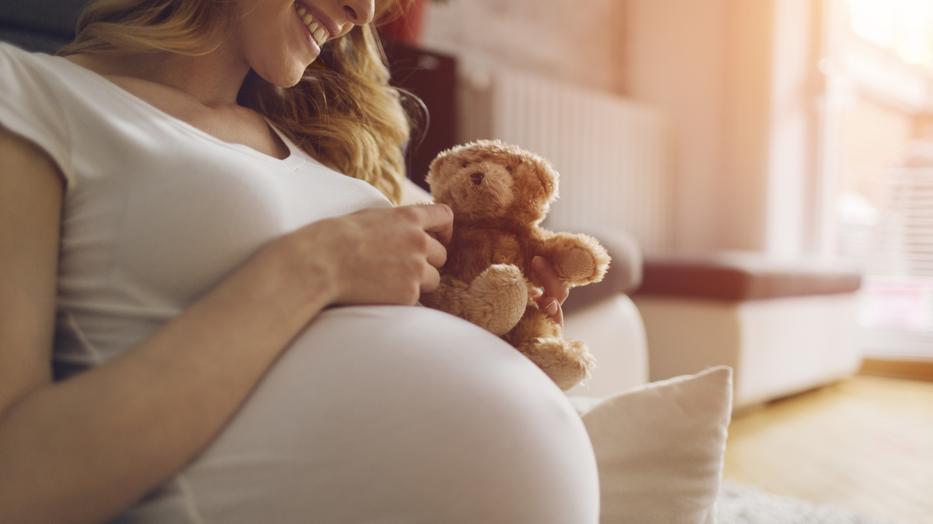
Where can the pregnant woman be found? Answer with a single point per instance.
(210, 288)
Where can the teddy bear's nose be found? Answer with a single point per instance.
(478, 178)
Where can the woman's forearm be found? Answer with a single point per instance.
(83, 449)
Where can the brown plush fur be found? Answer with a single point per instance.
(500, 194)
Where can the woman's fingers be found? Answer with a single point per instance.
(430, 279)
(437, 219)
(552, 308)
(555, 291)
(559, 316)
(437, 222)
(437, 253)
(548, 279)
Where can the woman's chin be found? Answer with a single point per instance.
(288, 76)
(292, 80)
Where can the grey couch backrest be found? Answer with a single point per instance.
(39, 25)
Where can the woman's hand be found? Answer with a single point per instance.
(555, 290)
(376, 256)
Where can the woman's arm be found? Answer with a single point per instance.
(84, 449)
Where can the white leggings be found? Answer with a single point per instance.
(392, 414)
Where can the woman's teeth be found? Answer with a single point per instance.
(314, 27)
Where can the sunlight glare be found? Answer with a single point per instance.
(904, 27)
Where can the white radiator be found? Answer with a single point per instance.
(612, 154)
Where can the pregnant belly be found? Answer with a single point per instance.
(363, 395)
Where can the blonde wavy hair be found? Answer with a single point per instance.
(343, 112)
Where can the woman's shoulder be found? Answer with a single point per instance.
(11, 52)
(17, 61)
(32, 103)
(30, 75)
(33, 74)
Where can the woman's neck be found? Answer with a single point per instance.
(213, 79)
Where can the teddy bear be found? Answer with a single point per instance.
(499, 194)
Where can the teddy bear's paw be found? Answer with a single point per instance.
(585, 263)
(567, 363)
(498, 298)
(577, 264)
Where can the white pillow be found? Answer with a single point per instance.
(659, 448)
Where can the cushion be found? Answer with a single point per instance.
(659, 448)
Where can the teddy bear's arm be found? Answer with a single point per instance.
(578, 259)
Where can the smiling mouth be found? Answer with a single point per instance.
(315, 28)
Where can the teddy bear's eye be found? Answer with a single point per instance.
(464, 163)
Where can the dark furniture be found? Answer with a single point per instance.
(39, 25)
(432, 77)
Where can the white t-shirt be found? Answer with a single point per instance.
(156, 211)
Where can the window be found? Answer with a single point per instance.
(877, 107)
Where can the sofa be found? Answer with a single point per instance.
(783, 325)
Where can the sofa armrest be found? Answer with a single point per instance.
(615, 334)
(625, 270)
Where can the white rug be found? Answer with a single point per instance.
(740, 504)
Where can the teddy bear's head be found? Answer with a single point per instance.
(490, 179)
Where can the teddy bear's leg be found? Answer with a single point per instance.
(538, 338)
(496, 298)
(566, 362)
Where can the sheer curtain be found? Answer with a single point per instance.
(877, 165)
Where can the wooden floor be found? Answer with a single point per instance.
(865, 444)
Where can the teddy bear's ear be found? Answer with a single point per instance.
(437, 166)
(543, 177)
